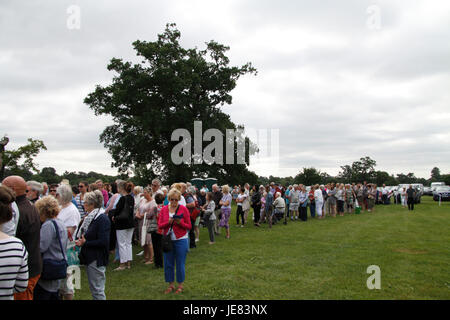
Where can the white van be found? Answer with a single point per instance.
(434, 185)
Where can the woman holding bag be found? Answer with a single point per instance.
(53, 245)
(175, 221)
(124, 221)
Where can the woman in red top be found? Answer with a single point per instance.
(179, 230)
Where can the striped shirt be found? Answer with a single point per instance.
(80, 205)
(13, 268)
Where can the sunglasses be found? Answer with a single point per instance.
(52, 190)
(174, 200)
(80, 187)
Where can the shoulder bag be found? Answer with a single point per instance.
(124, 215)
(166, 241)
(55, 269)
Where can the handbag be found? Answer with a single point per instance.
(72, 256)
(124, 215)
(166, 241)
(55, 269)
(144, 230)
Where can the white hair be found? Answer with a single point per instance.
(35, 186)
(65, 193)
(191, 189)
(94, 198)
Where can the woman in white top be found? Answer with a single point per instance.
(318, 197)
(13, 255)
(70, 217)
(143, 215)
(240, 211)
(403, 197)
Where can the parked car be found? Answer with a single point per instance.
(442, 192)
(428, 191)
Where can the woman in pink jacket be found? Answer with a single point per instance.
(175, 219)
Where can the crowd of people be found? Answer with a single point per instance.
(45, 229)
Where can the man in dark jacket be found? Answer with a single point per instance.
(28, 230)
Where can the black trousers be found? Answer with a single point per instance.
(410, 202)
(112, 235)
(239, 212)
(192, 235)
(40, 293)
(157, 249)
(210, 225)
(303, 213)
(256, 213)
(340, 206)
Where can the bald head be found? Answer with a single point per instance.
(17, 184)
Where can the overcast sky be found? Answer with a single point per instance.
(339, 80)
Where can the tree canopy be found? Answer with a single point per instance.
(21, 160)
(170, 89)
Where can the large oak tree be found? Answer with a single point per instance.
(169, 89)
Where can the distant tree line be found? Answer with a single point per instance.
(21, 162)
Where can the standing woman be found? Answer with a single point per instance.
(359, 195)
(303, 199)
(53, 239)
(155, 231)
(256, 204)
(372, 193)
(332, 200)
(79, 199)
(348, 197)
(312, 202)
(403, 197)
(146, 206)
(246, 203)
(70, 217)
(340, 195)
(109, 211)
(209, 215)
(93, 238)
(13, 254)
(294, 195)
(240, 204)
(225, 209)
(178, 229)
(263, 205)
(318, 199)
(124, 221)
(138, 197)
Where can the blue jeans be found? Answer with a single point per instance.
(176, 256)
(312, 207)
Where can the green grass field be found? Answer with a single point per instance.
(317, 259)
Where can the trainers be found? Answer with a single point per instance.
(197, 240)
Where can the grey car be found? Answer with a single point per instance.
(442, 192)
(428, 191)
